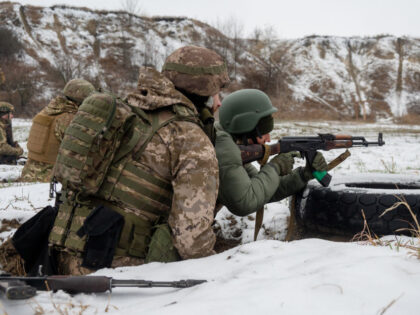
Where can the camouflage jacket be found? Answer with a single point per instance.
(64, 110)
(243, 189)
(182, 154)
(5, 147)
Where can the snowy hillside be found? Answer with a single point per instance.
(104, 47)
(269, 276)
(372, 77)
(311, 77)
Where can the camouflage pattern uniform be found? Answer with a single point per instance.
(182, 154)
(64, 110)
(60, 111)
(9, 149)
(179, 153)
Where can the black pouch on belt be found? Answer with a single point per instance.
(31, 242)
(102, 227)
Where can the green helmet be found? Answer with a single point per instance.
(6, 108)
(78, 89)
(196, 70)
(242, 110)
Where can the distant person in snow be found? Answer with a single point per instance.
(48, 128)
(246, 118)
(10, 150)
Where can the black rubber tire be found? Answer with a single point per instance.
(337, 209)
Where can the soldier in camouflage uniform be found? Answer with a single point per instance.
(170, 189)
(10, 150)
(48, 128)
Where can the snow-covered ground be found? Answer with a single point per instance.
(269, 276)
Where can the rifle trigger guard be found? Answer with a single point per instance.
(266, 155)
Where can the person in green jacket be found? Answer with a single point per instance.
(245, 117)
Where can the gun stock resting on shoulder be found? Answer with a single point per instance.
(307, 146)
(25, 287)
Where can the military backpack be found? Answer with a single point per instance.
(92, 141)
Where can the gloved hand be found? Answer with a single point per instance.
(283, 162)
(318, 164)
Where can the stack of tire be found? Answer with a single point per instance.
(338, 209)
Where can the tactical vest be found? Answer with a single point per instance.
(42, 143)
(127, 185)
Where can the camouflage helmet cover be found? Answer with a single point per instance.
(197, 70)
(78, 89)
(6, 107)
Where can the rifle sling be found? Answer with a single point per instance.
(266, 156)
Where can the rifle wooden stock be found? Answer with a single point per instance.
(255, 152)
(79, 284)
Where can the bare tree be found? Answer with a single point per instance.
(68, 68)
(270, 59)
(10, 44)
(231, 43)
(20, 85)
(236, 37)
(131, 6)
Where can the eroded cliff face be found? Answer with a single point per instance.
(312, 77)
(355, 77)
(107, 48)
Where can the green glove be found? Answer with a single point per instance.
(318, 164)
(283, 162)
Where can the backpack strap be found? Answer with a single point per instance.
(181, 113)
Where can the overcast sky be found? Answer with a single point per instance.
(290, 18)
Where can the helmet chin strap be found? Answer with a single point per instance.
(253, 135)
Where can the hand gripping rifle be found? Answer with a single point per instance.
(26, 287)
(307, 146)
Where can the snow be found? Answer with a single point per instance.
(265, 277)
(269, 276)
(316, 69)
(320, 70)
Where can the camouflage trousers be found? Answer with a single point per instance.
(10, 260)
(35, 171)
(70, 264)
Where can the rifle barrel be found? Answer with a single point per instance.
(91, 284)
(158, 284)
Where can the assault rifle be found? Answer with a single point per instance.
(26, 287)
(307, 146)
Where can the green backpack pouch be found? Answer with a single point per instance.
(91, 142)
